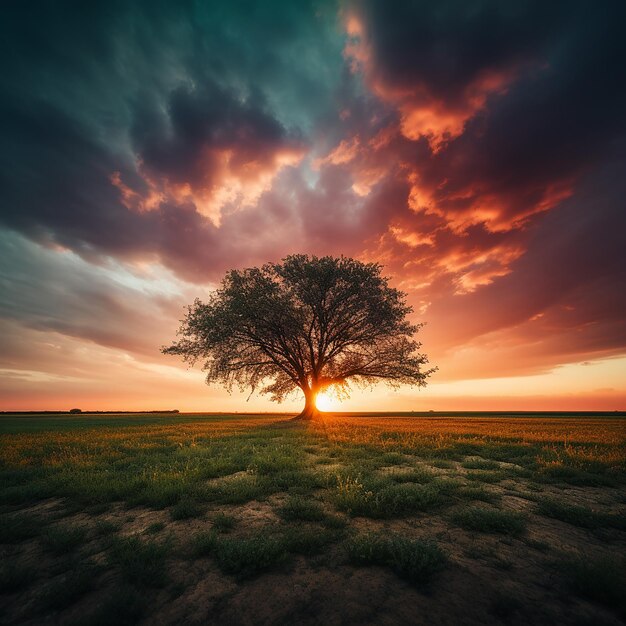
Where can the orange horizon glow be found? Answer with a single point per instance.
(194, 397)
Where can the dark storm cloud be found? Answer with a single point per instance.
(551, 126)
(55, 183)
(446, 46)
(200, 125)
(109, 109)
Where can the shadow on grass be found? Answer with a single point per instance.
(601, 579)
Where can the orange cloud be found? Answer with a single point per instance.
(345, 152)
(422, 114)
(230, 180)
(439, 121)
(134, 200)
(478, 203)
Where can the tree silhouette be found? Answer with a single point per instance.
(307, 323)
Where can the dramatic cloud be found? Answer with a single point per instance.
(210, 151)
(477, 150)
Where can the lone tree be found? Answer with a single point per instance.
(307, 323)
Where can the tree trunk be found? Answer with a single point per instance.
(310, 411)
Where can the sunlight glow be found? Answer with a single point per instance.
(323, 402)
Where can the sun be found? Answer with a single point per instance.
(324, 402)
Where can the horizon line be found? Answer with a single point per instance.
(428, 412)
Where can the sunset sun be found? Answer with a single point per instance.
(325, 402)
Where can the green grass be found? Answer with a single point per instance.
(140, 562)
(442, 464)
(601, 579)
(309, 540)
(392, 458)
(478, 493)
(384, 498)
(489, 476)
(579, 477)
(237, 490)
(224, 523)
(155, 528)
(186, 509)
(480, 464)
(581, 516)
(297, 508)
(412, 559)
(275, 460)
(61, 539)
(18, 527)
(413, 475)
(241, 557)
(490, 521)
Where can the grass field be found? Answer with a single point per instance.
(235, 519)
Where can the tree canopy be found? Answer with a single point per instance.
(306, 323)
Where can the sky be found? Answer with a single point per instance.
(476, 149)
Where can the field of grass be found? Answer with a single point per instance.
(257, 519)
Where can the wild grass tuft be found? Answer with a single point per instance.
(480, 464)
(186, 508)
(392, 458)
(478, 492)
(141, 562)
(387, 499)
(203, 544)
(490, 520)
(308, 540)
(558, 472)
(223, 522)
(238, 490)
(414, 475)
(241, 557)
(442, 464)
(413, 559)
(581, 516)
(489, 476)
(15, 528)
(276, 459)
(297, 508)
(60, 539)
(154, 528)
